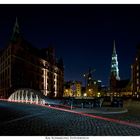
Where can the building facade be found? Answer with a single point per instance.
(135, 74)
(24, 66)
(92, 86)
(73, 89)
(93, 89)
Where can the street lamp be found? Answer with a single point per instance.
(85, 80)
(98, 94)
(85, 94)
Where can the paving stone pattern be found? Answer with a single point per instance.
(31, 120)
(133, 114)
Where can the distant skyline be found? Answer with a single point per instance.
(82, 35)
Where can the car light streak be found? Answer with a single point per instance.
(97, 117)
(87, 115)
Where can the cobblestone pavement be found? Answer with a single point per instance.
(30, 120)
(133, 114)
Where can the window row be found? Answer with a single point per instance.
(4, 64)
(4, 74)
(5, 54)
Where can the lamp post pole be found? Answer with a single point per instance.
(85, 82)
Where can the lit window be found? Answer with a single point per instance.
(137, 81)
(137, 88)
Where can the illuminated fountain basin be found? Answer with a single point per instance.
(27, 96)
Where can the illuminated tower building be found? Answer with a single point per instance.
(114, 64)
(114, 78)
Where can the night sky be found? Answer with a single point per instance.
(81, 34)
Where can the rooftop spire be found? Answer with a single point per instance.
(16, 30)
(16, 26)
(114, 48)
(114, 63)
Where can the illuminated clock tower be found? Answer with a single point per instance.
(114, 64)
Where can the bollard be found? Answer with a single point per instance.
(82, 105)
(92, 105)
(71, 106)
(89, 105)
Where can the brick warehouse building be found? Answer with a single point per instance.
(135, 74)
(24, 66)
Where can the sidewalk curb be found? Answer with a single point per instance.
(92, 111)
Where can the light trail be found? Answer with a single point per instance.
(87, 115)
(97, 117)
